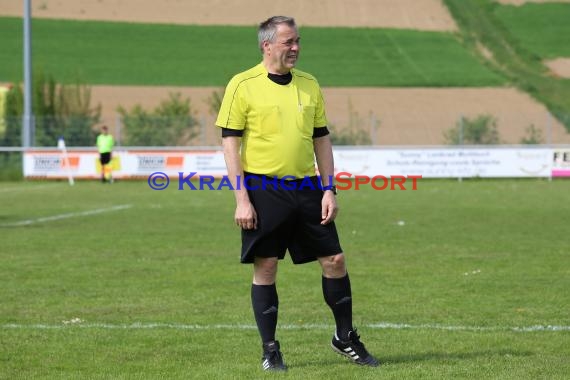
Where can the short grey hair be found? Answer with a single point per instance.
(268, 28)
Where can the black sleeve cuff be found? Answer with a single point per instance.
(320, 132)
(227, 132)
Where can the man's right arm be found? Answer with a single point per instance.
(245, 215)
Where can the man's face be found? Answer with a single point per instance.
(284, 51)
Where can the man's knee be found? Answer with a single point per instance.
(333, 266)
(265, 270)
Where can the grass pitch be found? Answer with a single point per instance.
(123, 282)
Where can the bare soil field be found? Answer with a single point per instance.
(392, 116)
(560, 67)
(413, 14)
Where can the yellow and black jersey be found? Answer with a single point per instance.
(277, 121)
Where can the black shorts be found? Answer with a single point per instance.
(287, 220)
(105, 158)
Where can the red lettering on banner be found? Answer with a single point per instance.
(340, 180)
(397, 180)
(360, 180)
(414, 178)
(384, 179)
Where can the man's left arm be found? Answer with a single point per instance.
(325, 163)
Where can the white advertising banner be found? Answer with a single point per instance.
(446, 163)
(425, 162)
(143, 163)
(125, 164)
(561, 162)
(52, 164)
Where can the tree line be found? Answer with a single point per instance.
(65, 110)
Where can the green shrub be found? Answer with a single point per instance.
(351, 134)
(214, 101)
(11, 166)
(479, 131)
(170, 124)
(533, 136)
(58, 109)
(14, 107)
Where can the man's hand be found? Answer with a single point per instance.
(245, 216)
(329, 207)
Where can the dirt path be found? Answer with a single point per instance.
(414, 14)
(404, 116)
(560, 67)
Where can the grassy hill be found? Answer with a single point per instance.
(510, 51)
(543, 29)
(151, 54)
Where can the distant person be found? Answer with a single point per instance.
(273, 126)
(105, 143)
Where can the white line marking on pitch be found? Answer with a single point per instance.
(65, 216)
(382, 325)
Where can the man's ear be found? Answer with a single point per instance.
(266, 47)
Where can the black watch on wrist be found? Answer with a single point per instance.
(331, 188)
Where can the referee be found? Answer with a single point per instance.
(273, 126)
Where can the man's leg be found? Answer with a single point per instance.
(102, 162)
(265, 304)
(338, 295)
(337, 292)
(109, 170)
(264, 297)
(108, 173)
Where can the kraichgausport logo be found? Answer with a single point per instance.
(343, 181)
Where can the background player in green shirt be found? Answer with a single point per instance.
(105, 143)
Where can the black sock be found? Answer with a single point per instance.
(265, 305)
(338, 296)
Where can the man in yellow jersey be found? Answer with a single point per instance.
(273, 126)
(105, 143)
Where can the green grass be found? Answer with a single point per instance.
(151, 54)
(11, 166)
(511, 57)
(482, 254)
(540, 28)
